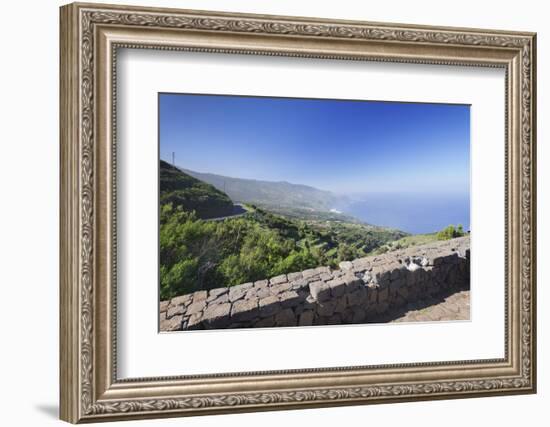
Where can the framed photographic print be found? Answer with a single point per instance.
(264, 212)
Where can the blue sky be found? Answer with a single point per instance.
(342, 146)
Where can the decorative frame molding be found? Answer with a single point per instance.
(90, 36)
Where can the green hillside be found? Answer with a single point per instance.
(200, 254)
(278, 195)
(256, 242)
(180, 189)
(447, 233)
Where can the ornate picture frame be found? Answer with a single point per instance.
(90, 37)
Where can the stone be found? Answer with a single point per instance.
(174, 311)
(341, 304)
(413, 266)
(326, 309)
(347, 316)
(382, 307)
(370, 311)
(307, 274)
(319, 290)
(299, 284)
(398, 301)
(397, 284)
(368, 278)
(172, 324)
(335, 319)
(396, 270)
(452, 277)
(413, 292)
(383, 294)
(321, 270)
(309, 303)
(266, 322)
(237, 325)
(290, 299)
(251, 293)
(217, 315)
(361, 265)
(346, 265)
(365, 288)
(263, 292)
(237, 293)
(285, 318)
(215, 293)
(306, 318)
(427, 273)
(358, 297)
(451, 258)
(220, 299)
(337, 287)
(359, 315)
(261, 283)
(352, 283)
(269, 305)
(196, 307)
(194, 321)
(280, 288)
(278, 279)
(412, 277)
(244, 310)
(380, 275)
(200, 296)
(294, 276)
(182, 300)
(326, 277)
(372, 293)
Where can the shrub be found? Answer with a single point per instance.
(451, 232)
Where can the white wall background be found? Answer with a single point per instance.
(29, 170)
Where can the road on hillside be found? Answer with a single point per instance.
(238, 210)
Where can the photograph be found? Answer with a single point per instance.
(278, 212)
(269, 210)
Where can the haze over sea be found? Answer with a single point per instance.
(413, 213)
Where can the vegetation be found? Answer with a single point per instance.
(297, 212)
(451, 232)
(447, 233)
(179, 189)
(203, 247)
(199, 254)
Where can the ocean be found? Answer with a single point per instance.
(415, 214)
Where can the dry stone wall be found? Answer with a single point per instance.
(358, 292)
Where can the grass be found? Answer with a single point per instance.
(417, 239)
(405, 242)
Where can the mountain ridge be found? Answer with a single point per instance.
(270, 193)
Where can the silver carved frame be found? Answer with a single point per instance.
(90, 36)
